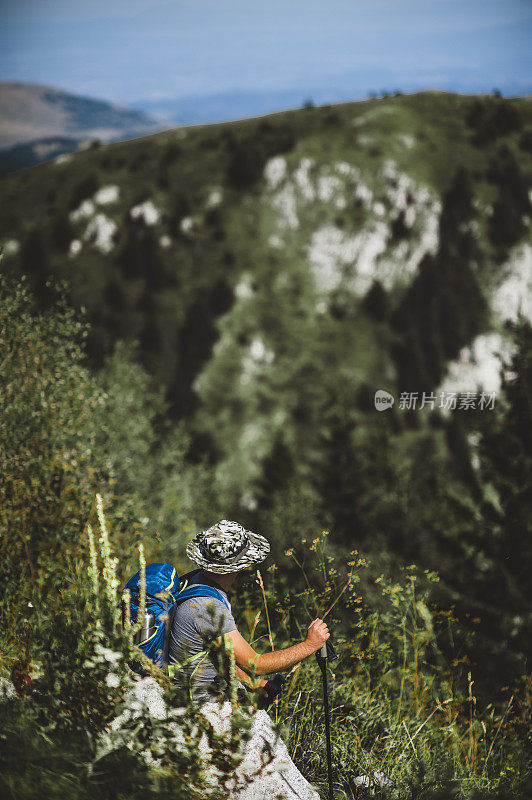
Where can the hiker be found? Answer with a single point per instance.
(222, 552)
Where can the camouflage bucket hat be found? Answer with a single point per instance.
(227, 547)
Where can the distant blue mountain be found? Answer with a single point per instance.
(224, 106)
(220, 107)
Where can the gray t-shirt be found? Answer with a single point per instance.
(192, 625)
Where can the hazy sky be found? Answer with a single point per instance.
(130, 50)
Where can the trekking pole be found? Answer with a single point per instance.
(326, 653)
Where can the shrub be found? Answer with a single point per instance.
(47, 399)
(81, 653)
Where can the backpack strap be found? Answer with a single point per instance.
(188, 592)
(201, 590)
(173, 668)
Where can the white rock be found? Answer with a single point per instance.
(74, 248)
(329, 250)
(165, 242)
(427, 240)
(259, 352)
(348, 170)
(275, 241)
(266, 770)
(364, 193)
(336, 257)
(275, 171)
(407, 140)
(327, 187)
(214, 199)
(107, 195)
(371, 244)
(186, 225)
(257, 356)
(478, 367)
(64, 158)
(146, 211)
(85, 210)
(112, 656)
(145, 694)
(100, 233)
(11, 247)
(243, 289)
(389, 169)
(410, 216)
(303, 180)
(285, 203)
(424, 197)
(379, 209)
(421, 209)
(257, 349)
(259, 777)
(7, 690)
(514, 295)
(398, 187)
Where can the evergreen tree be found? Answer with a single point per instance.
(62, 234)
(443, 308)
(507, 225)
(376, 303)
(506, 448)
(34, 262)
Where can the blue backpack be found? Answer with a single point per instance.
(153, 636)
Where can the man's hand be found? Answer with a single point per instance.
(317, 634)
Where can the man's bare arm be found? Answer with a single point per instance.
(252, 684)
(278, 660)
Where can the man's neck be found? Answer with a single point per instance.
(224, 581)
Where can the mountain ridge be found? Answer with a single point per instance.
(32, 115)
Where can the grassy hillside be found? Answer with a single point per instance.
(328, 215)
(276, 273)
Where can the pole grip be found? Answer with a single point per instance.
(326, 652)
